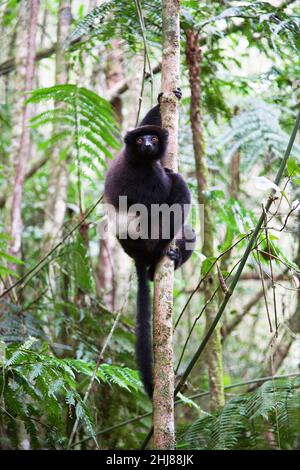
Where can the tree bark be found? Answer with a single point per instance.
(214, 348)
(56, 202)
(106, 270)
(163, 398)
(25, 60)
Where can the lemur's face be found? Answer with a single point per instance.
(148, 145)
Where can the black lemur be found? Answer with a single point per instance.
(138, 174)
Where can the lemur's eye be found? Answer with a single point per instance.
(139, 141)
(154, 139)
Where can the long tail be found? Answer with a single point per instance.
(143, 329)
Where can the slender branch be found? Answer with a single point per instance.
(146, 59)
(264, 289)
(226, 330)
(272, 273)
(9, 65)
(123, 86)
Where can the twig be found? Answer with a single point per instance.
(272, 273)
(264, 290)
(146, 48)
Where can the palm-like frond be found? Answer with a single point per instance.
(266, 418)
(263, 16)
(34, 384)
(85, 123)
(119, 18)
(256, 132)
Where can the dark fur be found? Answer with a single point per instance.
(144, 180)
(143, 345)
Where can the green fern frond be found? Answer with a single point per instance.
(263, 16)
(34, 384)
(256, 132)
(119, 18)
(20, 353)
(266, 418)
(86, 123)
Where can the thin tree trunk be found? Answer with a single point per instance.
(56, 202)
(163, 398)
(106, 282)
(214, 348)
(234, 188)
(25, 60)
(235, 175)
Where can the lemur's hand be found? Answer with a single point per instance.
(177, 92)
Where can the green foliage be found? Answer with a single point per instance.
(268, 418)
(10, 12)
(256, 133)
(119, 18)
(277, 254)
(85, 125)
(6, 258)
(15, 326)
(81, 266)
(279, 28)
(43, 391)
(4, 133)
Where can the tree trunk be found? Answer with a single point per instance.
(106, 270)
(56, 202)
(214, 348)
(25, 60)
(163, 398)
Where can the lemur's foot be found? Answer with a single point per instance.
(174, 255)
(159, 97)
(178, 93)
